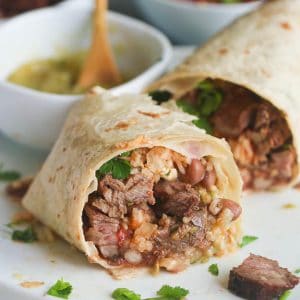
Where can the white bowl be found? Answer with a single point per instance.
(191, 23)
(34, 118)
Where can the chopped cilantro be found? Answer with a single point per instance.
(61, 289)
(125, 294)
(126, 154)
(175, 293)
(214, 269)
(285, 295)
(205, 85)
(209, 98)
(204, 124)
(165, 293)
(247, 239)
(27, 235)
(117, 167)
(186, 107)
(8, 175)
(160, 96)
(297, 271)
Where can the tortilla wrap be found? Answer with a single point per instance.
(100, 128)
(258, 52)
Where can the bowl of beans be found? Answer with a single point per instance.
(193, 21)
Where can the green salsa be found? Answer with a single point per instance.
(55, 75)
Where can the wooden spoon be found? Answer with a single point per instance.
(100, 66)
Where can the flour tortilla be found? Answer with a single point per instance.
(99, 128)
(260, 52)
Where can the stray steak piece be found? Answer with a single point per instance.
(18, 188)
(175, 198)
(114, 195)
(260, 278)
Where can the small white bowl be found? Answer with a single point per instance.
(34, 118)
(191, 23)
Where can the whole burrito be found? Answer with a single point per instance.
(244, 85)
(133, 184)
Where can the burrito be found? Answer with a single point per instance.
(134, 185)
(244, 85)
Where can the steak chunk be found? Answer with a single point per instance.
(235, 113)
(260, 278)
(113, 195)
(175, 198)
(101, 230)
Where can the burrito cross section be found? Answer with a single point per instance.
(243, 86)
(257, 132)
(137, 186)
(163, 214)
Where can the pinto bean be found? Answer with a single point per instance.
(209, 179)
(215, 207)
(195, 172)
(218, 205)
(233, 206)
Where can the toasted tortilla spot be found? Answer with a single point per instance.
(152, 115)
(51, 179)
(31, 284)
(286, 26)
(122, 125)
(140, 140)
(265, 72)
(223, 51)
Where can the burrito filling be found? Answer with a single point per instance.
(257, 132)
(155, 207)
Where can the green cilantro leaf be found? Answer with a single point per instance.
(209, 98)
(117, 167)
(8, 175)
(160, 96)
(126, 154)
(165, 293)
(186, 107)
(247, 239)
(26, 235)
(285, 295)
(61, 289)
(214, 269)
(203, 124)
(174, 293)
(297, 271)
(125, 294)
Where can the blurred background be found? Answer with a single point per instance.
(183, 21)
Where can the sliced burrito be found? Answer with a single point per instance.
(244, 85)
(133, 184)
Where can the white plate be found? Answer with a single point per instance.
(278, 230)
